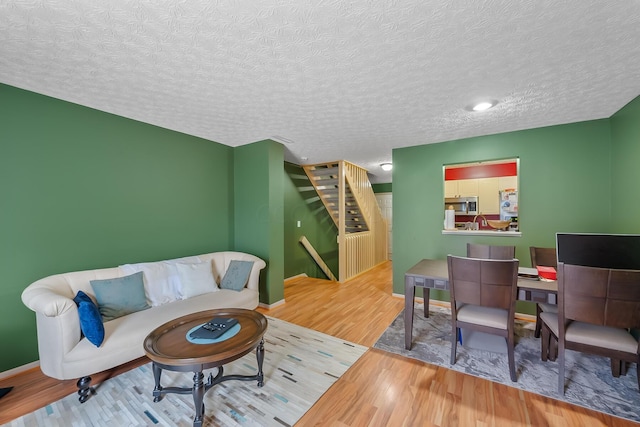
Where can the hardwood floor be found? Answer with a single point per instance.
(381, 389)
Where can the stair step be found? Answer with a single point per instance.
(347, 190)
(350, 214)
(355, 221)
(325, 171)
(334, 202)
(333, 193)
(327, 182)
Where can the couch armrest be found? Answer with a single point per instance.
(45, 301)
(57, 336)
(57, 322)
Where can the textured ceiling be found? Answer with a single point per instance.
(335, 79)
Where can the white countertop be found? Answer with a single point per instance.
(483, 233)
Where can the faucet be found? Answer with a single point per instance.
(476, 217)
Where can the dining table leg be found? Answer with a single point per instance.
(409, 296)
(426, 302)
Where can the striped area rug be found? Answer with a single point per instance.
(299, 366)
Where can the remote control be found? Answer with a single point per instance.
(215, 328)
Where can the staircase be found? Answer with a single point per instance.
(325, 180)
(346, 192)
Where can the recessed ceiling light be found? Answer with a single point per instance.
(483, 106)
(386, 166)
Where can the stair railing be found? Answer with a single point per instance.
(362, 250)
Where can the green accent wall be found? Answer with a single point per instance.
(303, 204)
(382, 188)
(565, 185)
(625, 173)
(259, 205)
(84, 189)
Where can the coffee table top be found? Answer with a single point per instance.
(167, 345)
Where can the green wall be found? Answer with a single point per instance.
(303, 204)
(259, 205)
(83, 189)
(625, 149)
(565, 183)
(382, 188)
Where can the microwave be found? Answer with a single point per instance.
(462, 205)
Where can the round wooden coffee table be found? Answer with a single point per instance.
(168, 348)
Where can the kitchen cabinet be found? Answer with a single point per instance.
(507, 182)
(485, 188)
(451, 189)
(461, 188)
(488, 197)
(468, 187)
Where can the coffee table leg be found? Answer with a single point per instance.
(157, 391)
(260, 357)
(198, 396)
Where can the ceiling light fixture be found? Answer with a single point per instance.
(483, 106)
(386, 166)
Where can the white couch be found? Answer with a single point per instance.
(66, 354)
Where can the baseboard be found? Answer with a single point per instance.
(18, 370)
(297, 276)
(270, 306)
(447, 304)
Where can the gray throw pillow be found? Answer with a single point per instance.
(237, 275)
(120, 296)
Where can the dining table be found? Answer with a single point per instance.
(434, 274)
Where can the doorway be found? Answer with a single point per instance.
(386, 207)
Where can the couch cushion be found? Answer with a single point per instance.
(236, 275)
(90, 319)
(120, 296)
(195, 279)
(161, 281)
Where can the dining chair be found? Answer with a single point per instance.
(490, 251)
(596, 309)
(483, 298)
(545, 257)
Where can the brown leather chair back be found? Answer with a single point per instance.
(485, 282)
(599, 296)
(490, 252)
(543, 256)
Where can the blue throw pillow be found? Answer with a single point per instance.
(90, 320)
(120, 296)
(237, 275)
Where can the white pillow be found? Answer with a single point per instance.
(161, 281)
(195, 279)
